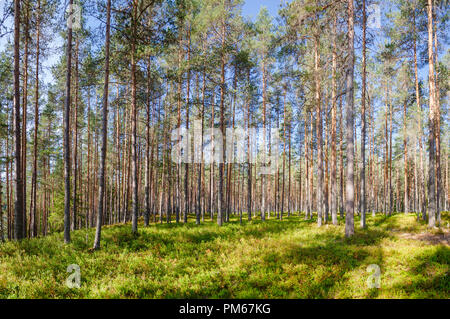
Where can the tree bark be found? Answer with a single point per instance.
(134, 172)
(67, 134)
(101, 179)
(432, 204)
(75, 142)
(349, 207)
(33, 223)
(363, 125)
(24, 115)
(333, 130)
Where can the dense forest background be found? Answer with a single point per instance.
(88, 109)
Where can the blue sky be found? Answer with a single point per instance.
(251, 7)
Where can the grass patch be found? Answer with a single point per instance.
(292, 258)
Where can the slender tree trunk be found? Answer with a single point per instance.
(186, 171)
(405, 155)
(386, 155)
(363, 125)
(222, 129)
(89, 164)
(420, 176)
(134, 173)
(341, 162)
(178, 182)
(101, 179)
(211, 166)
(199, 211)
(437, 128)
(75, 143)
(432, 204)
(289, 168)
(333, 131)
(390, 159)
(284, 154)
(33, 222)
(24, 115)
(67, 134)
(8, 193)
(249, 154)
(147, 151)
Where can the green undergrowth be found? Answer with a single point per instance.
(292, 258)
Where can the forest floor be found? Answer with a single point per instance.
(292, 258)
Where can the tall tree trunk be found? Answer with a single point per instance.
(405, 155)
(432, 204)
(178, 182)
(67, 133)
(2, 236)
(199, 211)
(75, 142)
(222, 129)
(363, 125)
(284, 154)
(350, 191)
(390, 159)
(89, 160)
(263, 186)
(386, 155)
(437, 128)
(289, 169)
(24, 115)
(33, 222)
(341, 161)
(8, 192)
(186, 171)
(147, 150)
(249, 154)
(420, 176)
(134, 172)
(101, 178)
(333, 131)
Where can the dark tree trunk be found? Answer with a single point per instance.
(67, 135)
(33, 222)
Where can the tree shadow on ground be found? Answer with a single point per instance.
(429, 275)
(327, 266)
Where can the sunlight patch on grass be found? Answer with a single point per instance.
(292, 258)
